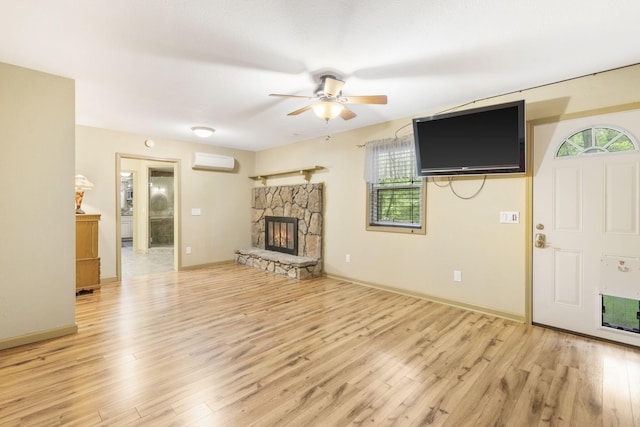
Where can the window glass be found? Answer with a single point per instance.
(397, 203)
(595, 140)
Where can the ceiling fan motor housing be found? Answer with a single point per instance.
(321, 89)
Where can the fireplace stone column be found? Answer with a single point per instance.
(305, 204)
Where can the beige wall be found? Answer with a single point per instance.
(37, 222)
(223, 197)
(461, 235)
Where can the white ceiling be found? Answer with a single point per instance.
(159, 67)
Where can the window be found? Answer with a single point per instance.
(597, 139)
(396, 193)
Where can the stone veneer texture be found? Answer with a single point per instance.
(303, 202)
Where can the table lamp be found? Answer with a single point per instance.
(82, 185)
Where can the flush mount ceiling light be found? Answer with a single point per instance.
(202, 131)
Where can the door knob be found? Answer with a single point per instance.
(541, 240)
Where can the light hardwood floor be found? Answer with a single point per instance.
(232, 346)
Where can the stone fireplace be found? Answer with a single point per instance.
(293, 206)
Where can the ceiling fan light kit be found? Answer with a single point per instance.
(327, 109)
(329, 102)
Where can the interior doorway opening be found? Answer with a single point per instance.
(126, 207)
(147, 216)
(161, 208)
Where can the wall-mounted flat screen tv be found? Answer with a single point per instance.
(479, 141)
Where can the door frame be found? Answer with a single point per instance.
(529, 208)
(177, 225)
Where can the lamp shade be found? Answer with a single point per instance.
(82, 183)
(327, 109)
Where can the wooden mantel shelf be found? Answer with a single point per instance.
(307, 172)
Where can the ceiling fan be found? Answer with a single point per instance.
(329, 102)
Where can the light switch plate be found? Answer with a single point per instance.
(509, 217)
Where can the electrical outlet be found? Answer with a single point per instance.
(188, 250)
(457, 276)
(347, 258)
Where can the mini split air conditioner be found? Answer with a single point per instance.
(212, 162)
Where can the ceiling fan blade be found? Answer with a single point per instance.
(301, 110)
(291, 96)
(347, 114)
(367, 99)
(332, 87)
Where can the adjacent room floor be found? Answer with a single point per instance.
(158, 260)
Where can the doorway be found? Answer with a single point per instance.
(127, 178)
(161, 208)
(148, 222)
(586, 225)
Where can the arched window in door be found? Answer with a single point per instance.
(597, 140)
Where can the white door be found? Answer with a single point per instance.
(586, 221)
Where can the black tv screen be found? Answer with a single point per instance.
(480, 141)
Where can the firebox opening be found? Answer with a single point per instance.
(281, 234)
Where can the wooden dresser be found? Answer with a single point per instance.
(87, 260)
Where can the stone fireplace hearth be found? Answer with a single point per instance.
(304, 204)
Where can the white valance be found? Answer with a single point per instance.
(390, 159)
